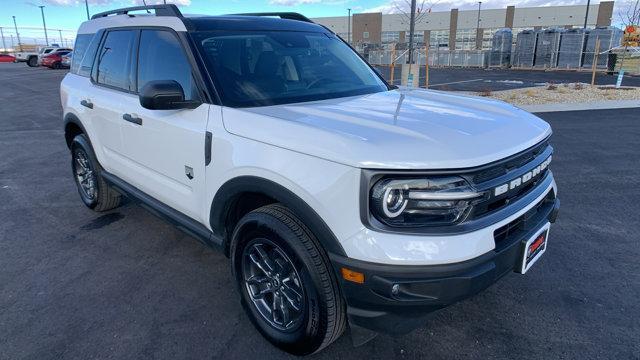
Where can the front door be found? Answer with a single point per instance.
(165, 149)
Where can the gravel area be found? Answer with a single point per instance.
(564, 93)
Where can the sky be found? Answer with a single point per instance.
(67, 15)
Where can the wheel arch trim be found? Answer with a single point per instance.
(71, 118)
(230, 191)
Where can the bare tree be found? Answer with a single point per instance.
(423, 7)
(412, 12)
(629, 13)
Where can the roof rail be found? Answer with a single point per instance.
(281, 15)
(160, 10)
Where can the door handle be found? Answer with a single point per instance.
(131, 119)
(87, 104)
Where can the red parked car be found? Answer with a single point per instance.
(54, 61)
(7, 58)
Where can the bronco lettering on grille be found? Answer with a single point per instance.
(522, 179)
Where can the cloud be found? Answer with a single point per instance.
(115, 3)
(399, 6)
(176, 2)
(293, 2)
(75, 2)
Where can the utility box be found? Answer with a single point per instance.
(525, 49)
(500, 55)
(610, 37)
(547, 48)
(572, 44)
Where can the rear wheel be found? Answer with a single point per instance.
(93, 189)
(56, 65)
(287, 285)
(33, 61)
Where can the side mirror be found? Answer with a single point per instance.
(164, 95)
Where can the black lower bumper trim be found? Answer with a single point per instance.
(397, 298)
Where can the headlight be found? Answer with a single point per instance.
(425, 201)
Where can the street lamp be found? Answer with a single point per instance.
(349, 25)
(61, 41)
(17, 34)
(44, 24)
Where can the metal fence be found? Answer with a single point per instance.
(572, 49)
(437, 58)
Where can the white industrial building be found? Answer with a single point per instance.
(464, 30)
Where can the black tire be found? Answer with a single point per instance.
(323, 314)
(57, 65)
(33, 61)
(102, 196)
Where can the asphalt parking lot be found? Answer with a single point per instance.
(75, 284)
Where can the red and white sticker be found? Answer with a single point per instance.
(534, 248)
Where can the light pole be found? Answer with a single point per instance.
(4, 45)
(349, 26)
(17, 34)
(44, 24)
(61, 41)
(86, 6)
(586, 15)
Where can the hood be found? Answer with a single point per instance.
(399, 129)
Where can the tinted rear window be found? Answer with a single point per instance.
(114, 59)
(83, 42)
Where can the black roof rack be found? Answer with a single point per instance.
(160, 10)
(281, 15)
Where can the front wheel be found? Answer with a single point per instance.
(32, 62)
(287, 285)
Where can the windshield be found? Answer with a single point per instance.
(278, 67)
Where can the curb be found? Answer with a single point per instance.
(597, 105)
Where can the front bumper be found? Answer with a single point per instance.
(397, 298)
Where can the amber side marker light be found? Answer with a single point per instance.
(352, 276)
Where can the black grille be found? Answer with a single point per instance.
(503, 172)
(511, 164)
(514, 230)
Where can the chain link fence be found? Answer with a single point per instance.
(562, 49)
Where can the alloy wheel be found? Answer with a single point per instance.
(273, 285)
(85, 175)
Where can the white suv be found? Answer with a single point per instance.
(340, 200)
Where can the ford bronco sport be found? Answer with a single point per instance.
(342, 201)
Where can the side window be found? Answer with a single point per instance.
(114, 58)
(79, 49)
(82, 43)
(84, 61)
(161, 58)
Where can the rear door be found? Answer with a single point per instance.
(165, 149)
(111, 88)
